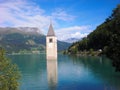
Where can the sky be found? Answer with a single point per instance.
(70, 18)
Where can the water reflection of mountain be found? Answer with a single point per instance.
(52, 74)
(102, 68)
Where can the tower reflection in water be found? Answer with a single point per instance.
(52, 74)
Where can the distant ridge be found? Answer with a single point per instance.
(22, 30)
(25, 39)
(71, 40)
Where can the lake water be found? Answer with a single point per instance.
(67, 73)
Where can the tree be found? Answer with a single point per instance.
(113, 50)
(9, 73)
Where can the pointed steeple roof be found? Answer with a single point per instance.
(51, 31)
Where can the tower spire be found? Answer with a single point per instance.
(51, 31)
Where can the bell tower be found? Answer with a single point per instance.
(51, 44)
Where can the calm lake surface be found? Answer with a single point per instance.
(67, 73)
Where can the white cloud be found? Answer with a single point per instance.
(74, 28)
(76, 35)
(22, 14)
(73, 32)
(61, 14)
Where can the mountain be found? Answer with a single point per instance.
(25, 39)
(71, 40)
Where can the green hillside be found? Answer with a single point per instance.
(14, 40)
(105, 38)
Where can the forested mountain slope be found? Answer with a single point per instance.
(105, 37)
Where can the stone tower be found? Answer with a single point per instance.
(51, 44)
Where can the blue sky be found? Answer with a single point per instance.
(70, 18)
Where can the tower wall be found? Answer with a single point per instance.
(51, 47)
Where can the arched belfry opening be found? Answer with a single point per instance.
(51, 44)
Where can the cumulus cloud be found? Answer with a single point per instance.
(76, 35)
(73, 32)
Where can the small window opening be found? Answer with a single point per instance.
(50, 40)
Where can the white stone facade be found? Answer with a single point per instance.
(51, 47)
